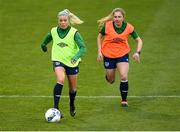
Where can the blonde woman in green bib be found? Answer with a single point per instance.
(67, 49)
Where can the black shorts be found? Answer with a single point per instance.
(110, 63)
(69, 70)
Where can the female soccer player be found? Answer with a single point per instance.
(114, 49)
(68, 46)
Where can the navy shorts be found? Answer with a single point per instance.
(110, 63)
(69, 70)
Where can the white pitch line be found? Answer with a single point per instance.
(87, 97)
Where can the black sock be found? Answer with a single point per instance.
(57, 94)
(72, 96)
(124, 90)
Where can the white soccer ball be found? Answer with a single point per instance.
(53, 115)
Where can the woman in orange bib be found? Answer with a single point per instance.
(114, 49)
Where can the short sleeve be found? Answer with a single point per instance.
(102, 30)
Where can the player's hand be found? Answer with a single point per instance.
(73, 61)
(100, 57)
(44, 48)
(136, 57)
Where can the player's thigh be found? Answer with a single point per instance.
(60, 74)
(123, 69)
(110, 73)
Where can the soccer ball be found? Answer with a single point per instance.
(53, 115)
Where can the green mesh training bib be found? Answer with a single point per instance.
(64, 49)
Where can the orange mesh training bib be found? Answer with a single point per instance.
(115, 45)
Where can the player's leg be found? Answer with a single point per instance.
(123, 68)
(110, 75)
(60, 76)
(110, 66)
(72, 74)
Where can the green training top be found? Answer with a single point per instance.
(62, 34)
(120, 30)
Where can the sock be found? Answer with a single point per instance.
(57, 94)
(72, 96)
(124, 90)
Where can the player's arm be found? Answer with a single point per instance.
(99, 40)
(82, 47)
(136, 55)
(139, 45)
(47, 39)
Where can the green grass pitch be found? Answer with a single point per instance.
(26, 71)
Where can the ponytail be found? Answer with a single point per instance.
(73, 19)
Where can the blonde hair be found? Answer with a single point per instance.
(103, 20)
(73, 19)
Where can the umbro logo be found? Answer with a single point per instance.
(62, 45)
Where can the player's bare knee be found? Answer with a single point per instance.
(72, 90)
(60, 81)
(111, 81)
(124, 78)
